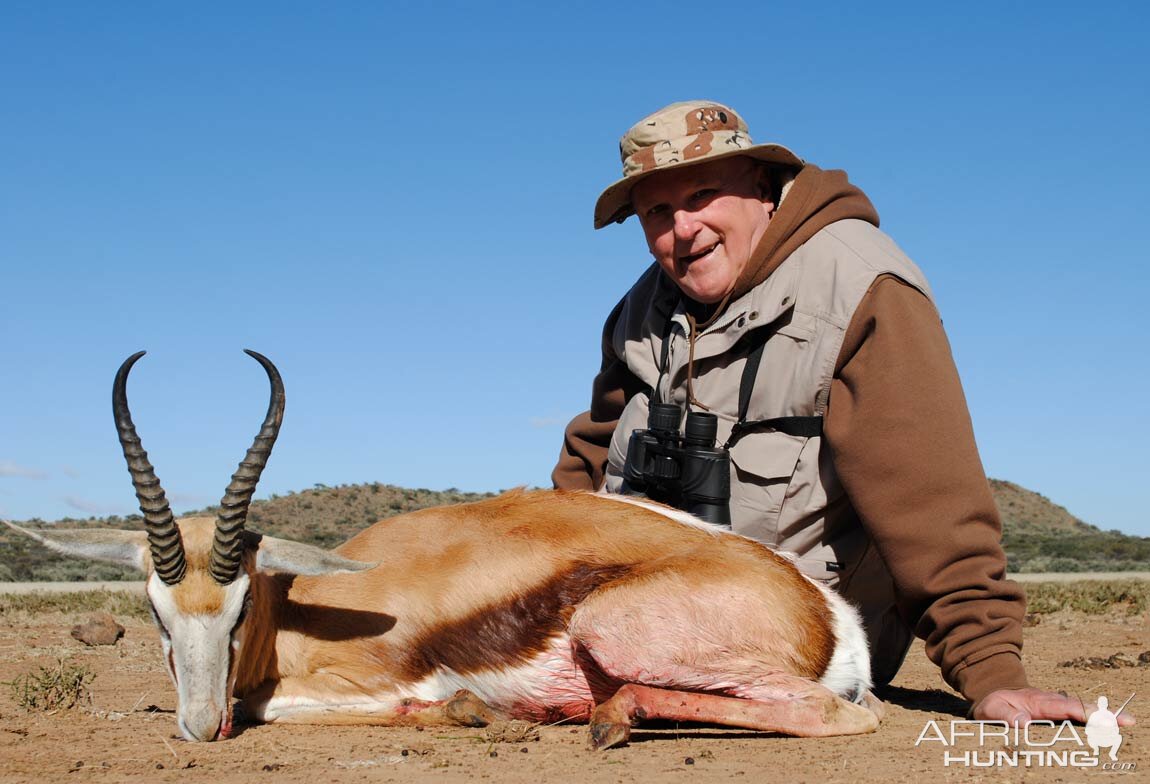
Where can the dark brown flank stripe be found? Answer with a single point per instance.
(511, 632)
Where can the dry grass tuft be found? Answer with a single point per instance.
(513, 731)
(118, 603)
(52, 688)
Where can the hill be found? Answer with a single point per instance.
(1038, 535)
(1026, 510)
(322, 515)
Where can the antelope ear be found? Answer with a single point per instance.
(284, 555)
(126, 548)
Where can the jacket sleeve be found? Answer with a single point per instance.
(899, 431)
(583, 459)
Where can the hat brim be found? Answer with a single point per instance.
(614, 204)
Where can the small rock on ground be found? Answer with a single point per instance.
(99, 629)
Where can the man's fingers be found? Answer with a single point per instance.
(1049, 705)
(1023, 705)
(1019, 718)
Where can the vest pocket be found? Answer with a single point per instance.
(821, 570)
(763, 465)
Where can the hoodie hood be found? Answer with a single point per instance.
(814, 200)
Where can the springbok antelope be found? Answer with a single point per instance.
(545, 606)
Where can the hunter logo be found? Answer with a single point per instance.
(1048, 744)
(1102, 729)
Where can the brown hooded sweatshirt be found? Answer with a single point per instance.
(900, 433)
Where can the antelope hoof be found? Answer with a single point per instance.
(470, 711)
(874, 705)
(609, 734)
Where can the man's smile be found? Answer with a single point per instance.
(687, 259)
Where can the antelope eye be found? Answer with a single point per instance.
(159, 623)
(247, 606)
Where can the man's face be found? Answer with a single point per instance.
(703, 222)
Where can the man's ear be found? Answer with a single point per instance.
(764, 183)
(766, 186)
(775, 183)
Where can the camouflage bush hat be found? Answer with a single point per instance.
(680, 135)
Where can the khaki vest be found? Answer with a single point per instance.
(784, 489)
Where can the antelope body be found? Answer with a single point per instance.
(539, 605)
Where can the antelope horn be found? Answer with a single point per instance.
(228, 546)
(163, 534)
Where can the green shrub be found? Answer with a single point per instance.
(118, 603)
(1093, 597)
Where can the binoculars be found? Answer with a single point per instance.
(685, 471)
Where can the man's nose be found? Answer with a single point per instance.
(686, 225)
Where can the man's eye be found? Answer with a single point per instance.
(658, 209)
(704, 194)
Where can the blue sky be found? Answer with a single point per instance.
(393, 202)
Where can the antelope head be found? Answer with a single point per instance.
(201, 572)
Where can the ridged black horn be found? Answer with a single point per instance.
(163, 534)
(228, 546)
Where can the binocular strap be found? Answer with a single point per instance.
(800, 426)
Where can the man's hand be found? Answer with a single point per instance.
(1018, 706)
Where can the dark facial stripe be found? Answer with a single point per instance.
(511, 632)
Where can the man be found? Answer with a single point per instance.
(776, 304)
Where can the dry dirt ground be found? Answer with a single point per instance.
(128, 730)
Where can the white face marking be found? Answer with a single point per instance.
(199, 650)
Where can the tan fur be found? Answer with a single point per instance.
(489, 584)
(198, 593)
(444, 570)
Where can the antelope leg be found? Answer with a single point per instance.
(287, 703)
(814, 712)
